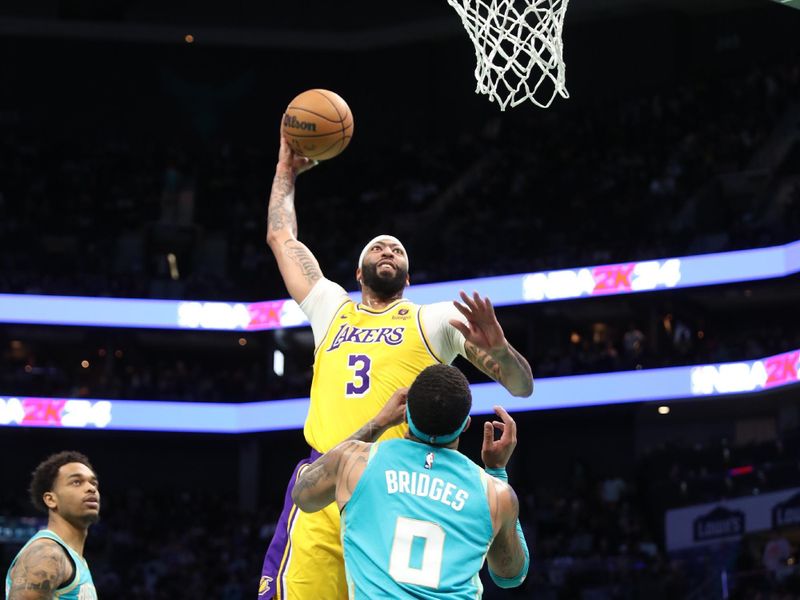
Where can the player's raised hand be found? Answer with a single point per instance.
(496, 453)
(394, 411)
(288, 159)
(482, 327)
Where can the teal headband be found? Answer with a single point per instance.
(434, 439)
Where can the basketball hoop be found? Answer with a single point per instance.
(518, 48)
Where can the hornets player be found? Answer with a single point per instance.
(419, 517)
(364, 352)
(51, 564)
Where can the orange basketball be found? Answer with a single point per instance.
(318, 124)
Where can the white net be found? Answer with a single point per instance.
(518, 48)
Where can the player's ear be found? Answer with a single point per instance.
(469, 420)
(49, 499)
(358, 275)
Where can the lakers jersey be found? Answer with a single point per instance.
(80, 588)
(418, 525)
(364, 357)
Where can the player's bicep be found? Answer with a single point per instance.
(298, 266)
(39, 571)
(315, 487)
(506, 557)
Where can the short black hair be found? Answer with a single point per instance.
(44, 476)
(439, 400)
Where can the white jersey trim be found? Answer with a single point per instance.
(445, 341)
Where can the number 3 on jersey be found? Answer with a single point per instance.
(361, 365)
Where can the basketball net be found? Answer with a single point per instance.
(518, 48)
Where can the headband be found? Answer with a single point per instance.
(376, 239)
(434, 439)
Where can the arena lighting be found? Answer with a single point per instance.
(738, 471)
(672, 383)
(506, 290)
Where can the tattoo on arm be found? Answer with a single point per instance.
(318, 474)
(512, 371)
(301, 255)
(358, 460)
(482, 360)
(368, 433)
(506, 556)
(39, 572)
(281, 213)
(316, 485)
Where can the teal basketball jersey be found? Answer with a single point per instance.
(417, 525)
(80, 588)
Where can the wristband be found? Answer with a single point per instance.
(500, 473)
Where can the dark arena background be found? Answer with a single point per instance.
(659, 456)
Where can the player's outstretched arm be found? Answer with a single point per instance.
(39, 571)
(508, 555)
(316, 486)
(299, 268)
(486, 347)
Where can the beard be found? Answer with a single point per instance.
(384, 286)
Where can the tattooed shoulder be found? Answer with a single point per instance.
(39, 571)
(354, 462)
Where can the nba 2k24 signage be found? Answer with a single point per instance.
(54, 412)
(717, 522)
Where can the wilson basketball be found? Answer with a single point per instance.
(318, 124)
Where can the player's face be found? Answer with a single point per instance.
(385, 268)
(76, 495)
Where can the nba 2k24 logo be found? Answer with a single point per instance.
(54, 412)
(367, 335)
(602, 280)
(87, 592)
(296, 123)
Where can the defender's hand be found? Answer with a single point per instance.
(394, 411)
(496, 453)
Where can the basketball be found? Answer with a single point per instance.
(318, 124)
